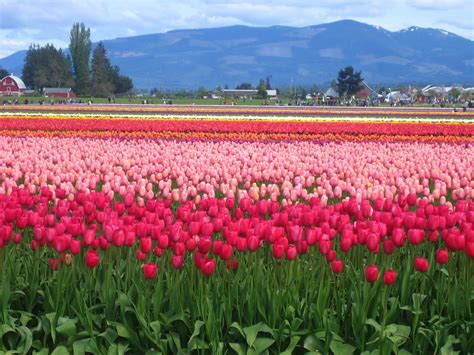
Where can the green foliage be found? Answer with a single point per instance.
(47, 67)
(101, 69)
(262, 90)
(243, 86)
(106, 79)
(3, 73)
(349, 82)
(284, 307)
(80, 48)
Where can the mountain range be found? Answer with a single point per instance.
(187, 59)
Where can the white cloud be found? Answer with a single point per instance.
(440, 4)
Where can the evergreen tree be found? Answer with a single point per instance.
(122, 83)
(80, 48)
(102, 73)
(349, 82)
(3, 73)
(47, 67)
(106, 79)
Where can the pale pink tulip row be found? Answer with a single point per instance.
(194, 169)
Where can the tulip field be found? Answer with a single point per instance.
(236, 230)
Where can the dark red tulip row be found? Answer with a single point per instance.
(220, 229)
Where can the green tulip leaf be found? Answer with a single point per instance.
(60, 350)
(341, 348)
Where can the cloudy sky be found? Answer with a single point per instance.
(49, 21)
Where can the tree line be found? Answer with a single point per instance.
(48, 66)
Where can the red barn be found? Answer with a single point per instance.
(365, 92)
(11, 85)
(58, 92)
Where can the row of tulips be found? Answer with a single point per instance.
(291, 230)
(93, 273)
(243, 136)
(281, 171)
(99, 123)
(248, 110)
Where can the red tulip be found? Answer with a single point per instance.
(253, 243)
(191, 244)
(179, 248)
(372, 241)
(388, 246)
(141, 256)
(421, 264)
(411, 199)
(158, 251)
(89, 237)
(208, 267)
(146, 244)
(331, 255)
(389, 277)
(398, 237)
(291, 252)
(469, 249)
(371, 273)
(337, 266)
(416, 236)
(149, 271)
(231, 264)
(17, 238)
(53, 263)
(75, 246)
(346, 244)
(226, 251)
(163, 241)
(204, 244)
(92, 259)
(442, 256)
(177, 261)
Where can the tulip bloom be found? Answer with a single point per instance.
(146, 244)
(371, 273)
(442, 256)
(421, 264)
(92, 259)
(75, 246)
(177, 261)
(337, 266)
(389, 277)
(208, 267)
(149, 271)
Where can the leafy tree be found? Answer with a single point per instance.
(455, 94)
(244, 86)
(3, 73)
(262, 90)
(201, 92)
(47, 67)
(80, 48)
(382, 90)
(349, 82)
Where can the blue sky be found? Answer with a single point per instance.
(49, 21)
